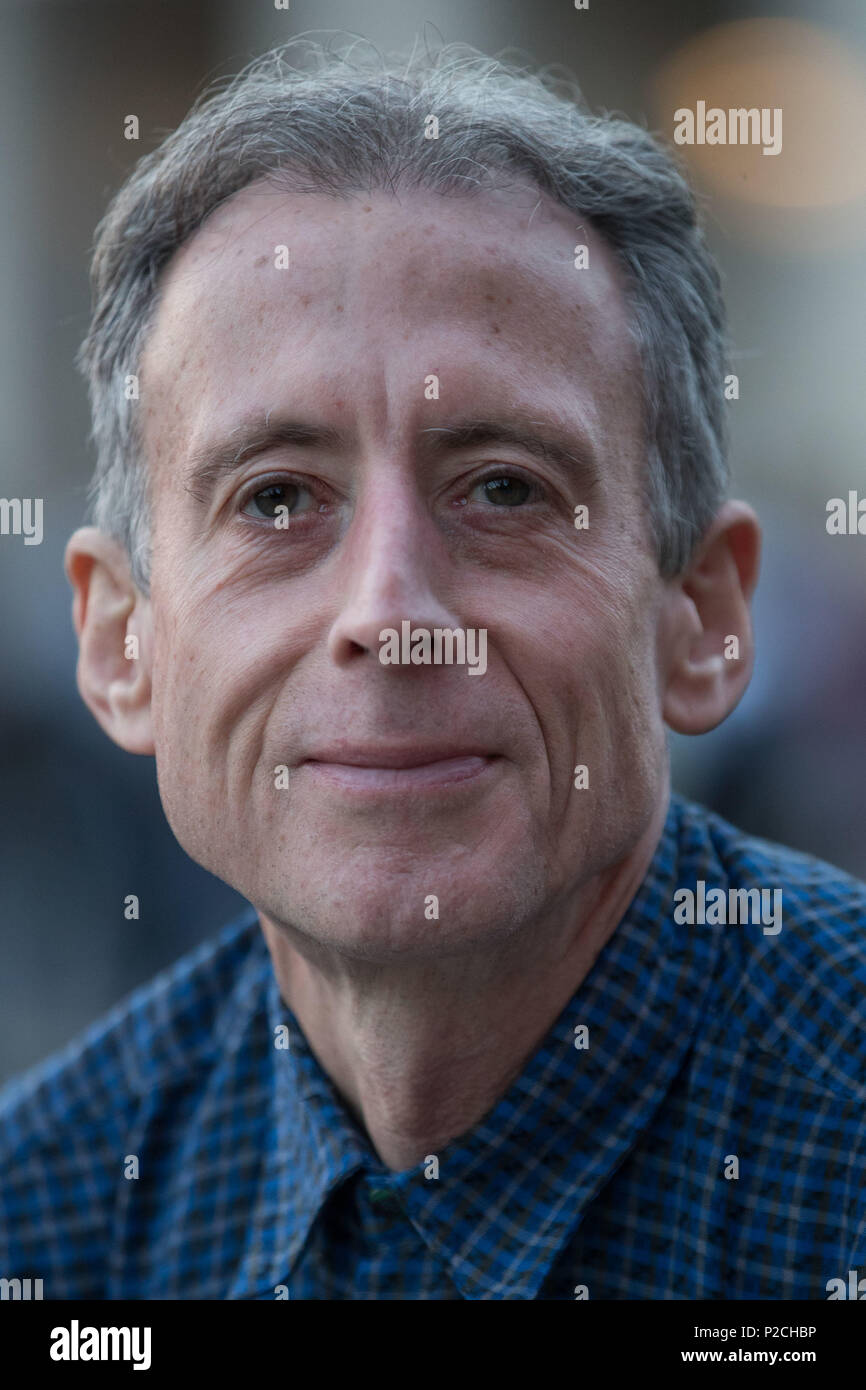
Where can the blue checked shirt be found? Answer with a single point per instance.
(708, 1142)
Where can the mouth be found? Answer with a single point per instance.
(395, 770)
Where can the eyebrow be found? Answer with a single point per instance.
(211, 462)
(563, 448)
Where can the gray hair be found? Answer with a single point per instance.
(318, 120)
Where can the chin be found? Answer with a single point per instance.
(391, 916)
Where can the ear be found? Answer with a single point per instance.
(113, 622)
(707, 645)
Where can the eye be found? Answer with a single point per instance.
(503, 490)
(265, 500)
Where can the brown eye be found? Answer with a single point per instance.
(504, 491)
(267, 499)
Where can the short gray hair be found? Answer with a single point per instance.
(338, 120)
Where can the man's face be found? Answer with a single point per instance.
(404, 781)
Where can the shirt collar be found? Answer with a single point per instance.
(514, 1189)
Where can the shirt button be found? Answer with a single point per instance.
(384, 1199)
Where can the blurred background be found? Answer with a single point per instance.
(82, 824)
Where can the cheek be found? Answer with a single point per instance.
(633, 753)
(216, 679)
(614, 679)
(199, 652)
(179, 679)
(587, 672)
(193, 758)
(191, 691)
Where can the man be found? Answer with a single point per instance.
(392, 367)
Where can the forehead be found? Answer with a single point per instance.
(356, 300)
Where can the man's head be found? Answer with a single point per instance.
(385, 335)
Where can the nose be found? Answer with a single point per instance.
(394, 564)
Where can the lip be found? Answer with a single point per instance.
(377, 770)
(394, 755)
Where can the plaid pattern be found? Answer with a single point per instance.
(602, 1168)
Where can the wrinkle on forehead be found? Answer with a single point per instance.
(490, 270)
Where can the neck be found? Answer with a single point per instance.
(420, 1051)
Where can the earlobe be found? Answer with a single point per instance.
(112, 620)
(706, 636)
